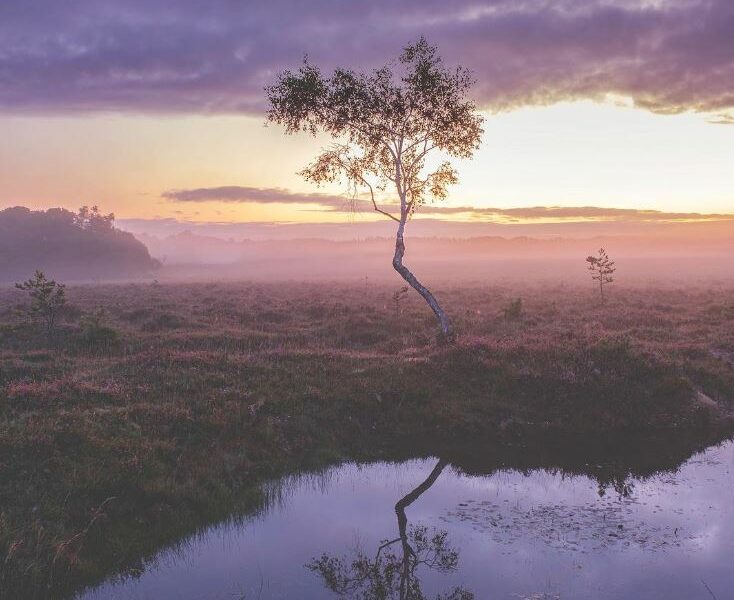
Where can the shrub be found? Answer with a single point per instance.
(95, 333)
(47, 299)
(165, 321)
(513, 311)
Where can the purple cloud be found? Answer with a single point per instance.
(581, 213)
(332, 203)
(215, 57)
(258, 195)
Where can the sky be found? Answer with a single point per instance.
(155, 110)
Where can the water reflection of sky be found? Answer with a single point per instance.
(553, 536)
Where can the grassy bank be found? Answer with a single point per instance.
(123, 435)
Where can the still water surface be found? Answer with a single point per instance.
(537, 535)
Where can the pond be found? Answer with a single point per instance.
(425, 528)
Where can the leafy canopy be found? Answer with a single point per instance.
(93, 220)
(386, 123)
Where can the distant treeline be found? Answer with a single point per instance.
(85, 245)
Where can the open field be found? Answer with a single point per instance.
(158, 417)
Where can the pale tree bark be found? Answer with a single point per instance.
(397, 260)
(412, 281)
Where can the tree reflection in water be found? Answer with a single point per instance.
(392, 573)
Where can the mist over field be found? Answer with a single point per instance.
(649, 249)
(659, 253)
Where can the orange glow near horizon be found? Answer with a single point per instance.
(568, 155)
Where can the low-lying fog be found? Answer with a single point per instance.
(663, 253)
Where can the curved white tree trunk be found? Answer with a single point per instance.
(412, 281)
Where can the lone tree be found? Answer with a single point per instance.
(602, 268)
(385, 124)
(47, 298)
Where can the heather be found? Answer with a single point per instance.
(154, 409)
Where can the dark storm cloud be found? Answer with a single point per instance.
(216, 56)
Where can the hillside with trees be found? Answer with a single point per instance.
(84, 245)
